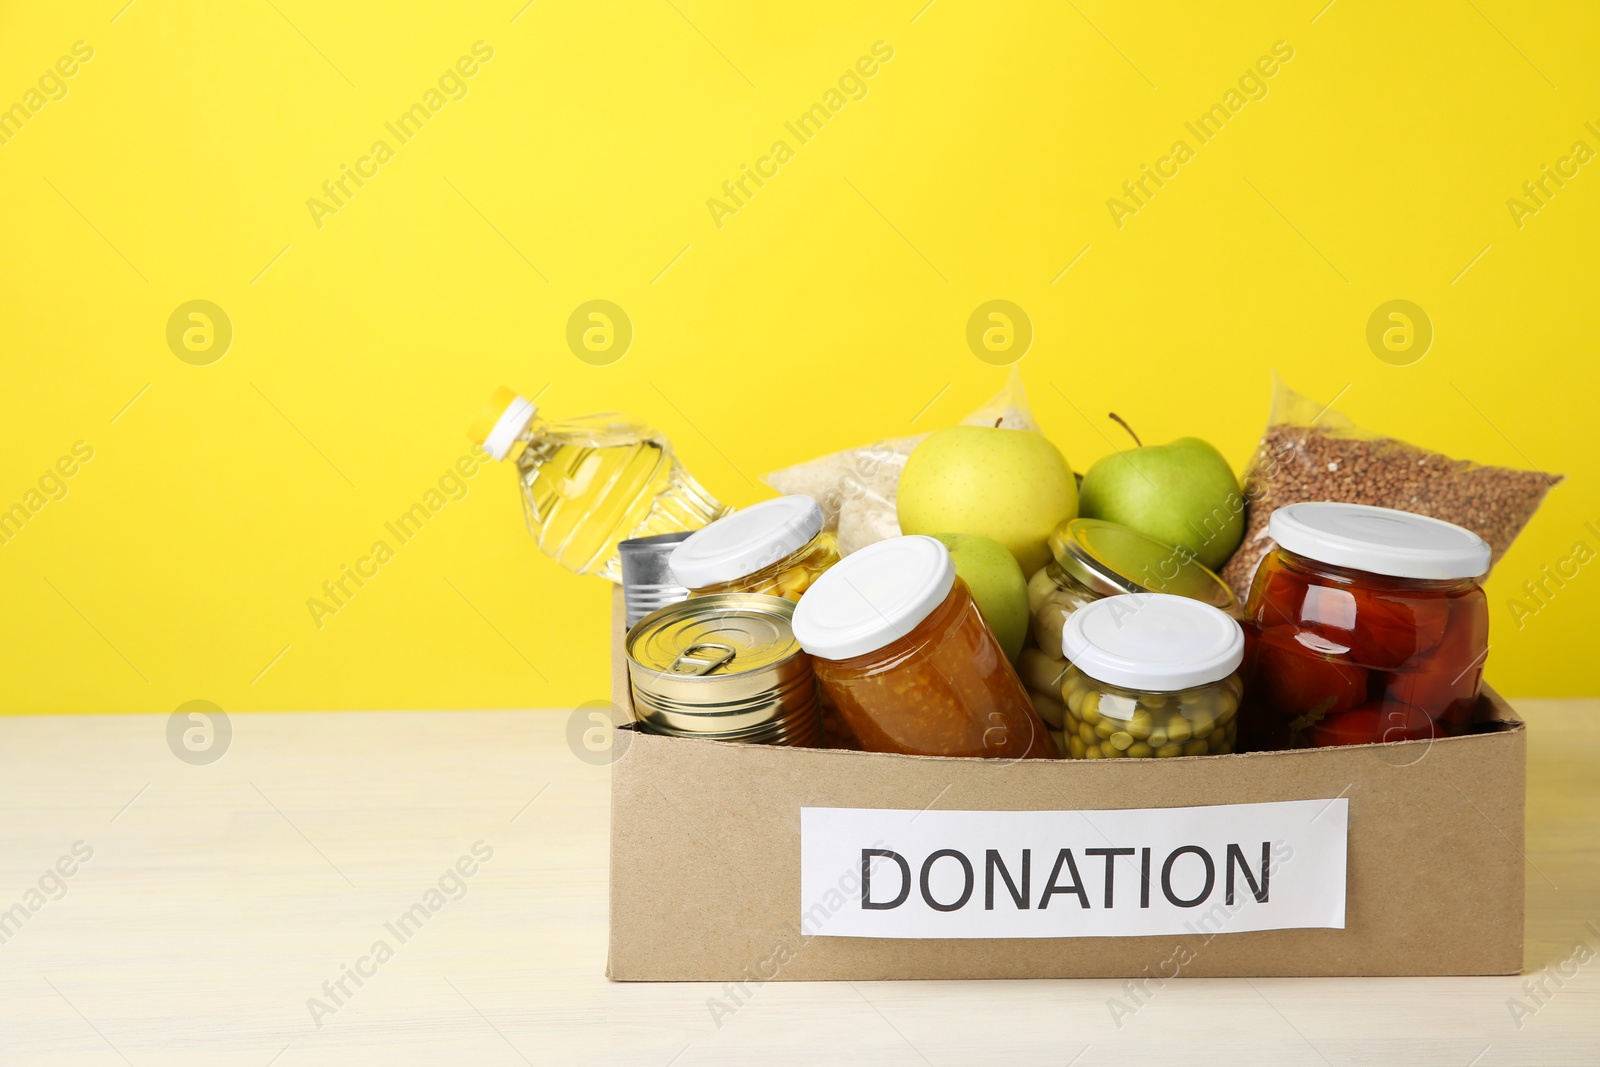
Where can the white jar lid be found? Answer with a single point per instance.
(1380, 540)
(1153, 641)
(873, 597)
(745, 541)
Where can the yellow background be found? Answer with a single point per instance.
(828, 312)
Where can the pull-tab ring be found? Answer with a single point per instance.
(703, 658)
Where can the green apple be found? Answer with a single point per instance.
(1183, 493)
(997, 584)
(1010, 485)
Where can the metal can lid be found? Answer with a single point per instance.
(722, 634)
(1110, 559)
(747, 540)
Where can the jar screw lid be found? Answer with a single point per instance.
(1153, 641)
(1385, 541)
(1109, 558)
(745, 541)
(873, 597)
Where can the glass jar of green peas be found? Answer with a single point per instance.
(1151, 675)
(1092, 559)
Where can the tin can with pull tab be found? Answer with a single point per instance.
(725, 667)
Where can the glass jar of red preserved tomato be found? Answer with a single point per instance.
(1364, 625)
(899, 647)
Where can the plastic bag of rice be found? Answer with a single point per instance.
(1311, 452)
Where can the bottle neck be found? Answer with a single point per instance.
(535, 428)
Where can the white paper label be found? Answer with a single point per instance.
(1225, 868)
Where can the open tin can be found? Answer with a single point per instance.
(725, 667)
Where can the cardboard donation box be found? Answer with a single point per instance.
(736, 862)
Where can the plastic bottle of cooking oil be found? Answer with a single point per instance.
(590, 482)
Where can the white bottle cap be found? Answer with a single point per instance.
(873, 597)
(1380, 541)
(519, 411)
(745, 541)
(1153, 641)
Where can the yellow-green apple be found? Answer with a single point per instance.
(998, 587)
(1013, 486)
(1183, 493)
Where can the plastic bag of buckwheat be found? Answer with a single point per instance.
(857, 487)
(1311, 452)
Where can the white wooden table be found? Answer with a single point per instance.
(220, 898)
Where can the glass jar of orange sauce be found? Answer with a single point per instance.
(901, 650)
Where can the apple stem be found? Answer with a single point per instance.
(998, 421)
(1118, 420)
